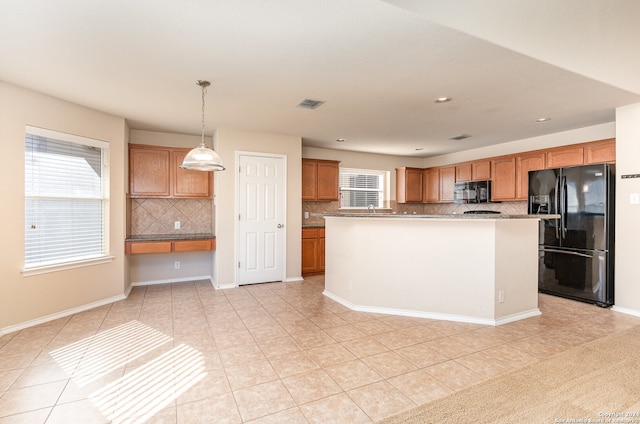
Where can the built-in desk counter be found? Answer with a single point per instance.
(471, 268)
(165, 243)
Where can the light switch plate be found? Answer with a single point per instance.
(634, 198)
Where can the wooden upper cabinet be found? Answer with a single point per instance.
(154, 171)
(525, 163)
(320, 180)
(447, 183)
(481, 170)
(309, 179)
(328, 174)
(603, 151)
(149, 173)
(431, 185)
(463, 172)
(191, 184)
(503, 178)
(409, 185)
(565, 156)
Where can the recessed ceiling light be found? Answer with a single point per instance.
(341, 140)
(442, 100)
(539, 120)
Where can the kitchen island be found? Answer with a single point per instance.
(471, 268)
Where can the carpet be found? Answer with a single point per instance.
(598, 382)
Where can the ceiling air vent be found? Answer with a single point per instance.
(310, 103)
(460, 137)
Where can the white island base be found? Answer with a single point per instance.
(479, 270)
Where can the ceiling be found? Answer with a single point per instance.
(377, 66)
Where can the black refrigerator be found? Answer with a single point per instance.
(576, 251)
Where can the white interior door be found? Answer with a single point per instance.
(261, 219)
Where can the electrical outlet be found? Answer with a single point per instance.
(176, 225)
(634, 198)
(176, 264)
(501, 296)
(306, 215)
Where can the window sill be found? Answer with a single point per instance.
(66, 266)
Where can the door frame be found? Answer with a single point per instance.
(236, 254)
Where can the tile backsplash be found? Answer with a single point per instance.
(157, 216)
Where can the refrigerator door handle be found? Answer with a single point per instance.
(568, 252)
(563, 205)
(555, 222)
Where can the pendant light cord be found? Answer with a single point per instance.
(203, 84)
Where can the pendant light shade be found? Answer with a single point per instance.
(202, 158)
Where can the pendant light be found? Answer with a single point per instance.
(202, 158)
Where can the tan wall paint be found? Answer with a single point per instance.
(227, 142)
(627, 289)
(23, 299)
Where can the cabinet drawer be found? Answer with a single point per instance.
(136, 248)
(309, 233)
(191, 245)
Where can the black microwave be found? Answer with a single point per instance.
(472, 192)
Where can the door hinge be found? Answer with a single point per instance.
(239, 169)
(238, 264)
(238, 217)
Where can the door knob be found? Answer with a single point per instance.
(280, 225)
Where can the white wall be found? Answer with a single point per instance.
(227, 143)
(627, 282)
(23, 299)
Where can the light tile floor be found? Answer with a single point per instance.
(268, 353)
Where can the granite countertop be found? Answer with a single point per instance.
(169, 237)
(453, 216)
(313, 226)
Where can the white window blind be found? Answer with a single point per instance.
(65, 198)
(360, 188)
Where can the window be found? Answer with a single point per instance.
(65, 198)
(360, 188)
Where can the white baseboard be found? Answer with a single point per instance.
(171, 280)
(293, 279)
(431, 315)
(63, 314)
(627, 311)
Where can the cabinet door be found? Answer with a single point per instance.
(481, 170)
(186, 183)
(447, 181)
(327, 180)
(431, 185)
(524, 164)
(503, 186)
(600, 152)
(149, 174)
(309, 179)
(571, 156)
(463, 172)
(409, 185)
(309, 250)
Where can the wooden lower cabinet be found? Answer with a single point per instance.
(312, 251)
(167, 246)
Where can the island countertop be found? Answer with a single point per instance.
(451, 216)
